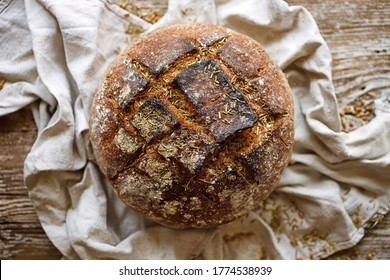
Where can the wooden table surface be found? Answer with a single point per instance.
(358, 34)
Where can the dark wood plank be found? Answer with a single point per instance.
(21, 234)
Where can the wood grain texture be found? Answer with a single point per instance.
(357, 33)
(21, 234)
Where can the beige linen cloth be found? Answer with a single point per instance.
(53, 54)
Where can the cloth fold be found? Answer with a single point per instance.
(54, 54)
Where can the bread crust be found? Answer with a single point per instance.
(193, 125)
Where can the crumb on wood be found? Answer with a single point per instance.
(370, 255)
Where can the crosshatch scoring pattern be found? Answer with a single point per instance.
(193, 126)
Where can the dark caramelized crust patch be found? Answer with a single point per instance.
(193, 125)
(158, 59)
(273, 156)
(129, 84)
(221, 106)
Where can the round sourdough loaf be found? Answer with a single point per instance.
(193, 125)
